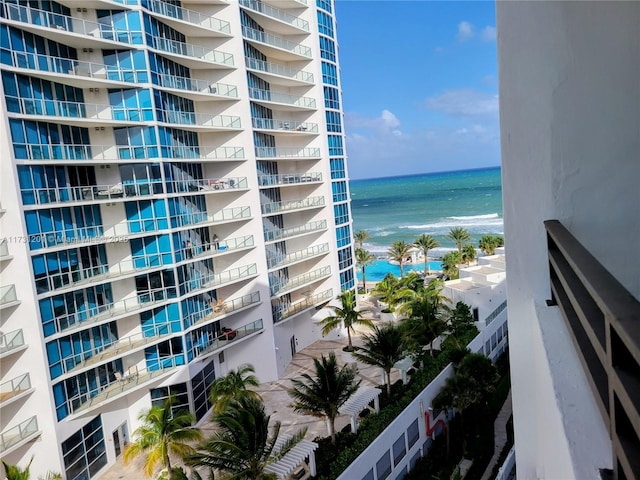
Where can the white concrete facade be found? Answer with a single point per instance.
(228, 146)
(570, 135)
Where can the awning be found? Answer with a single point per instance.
(293, 458)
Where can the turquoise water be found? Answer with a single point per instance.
(377, 270)
(402, 208)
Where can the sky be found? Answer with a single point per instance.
(419, 85)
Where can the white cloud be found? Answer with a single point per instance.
(465, 31)
(489, 34)
(464, 103)
(387, 122)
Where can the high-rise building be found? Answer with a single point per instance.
(174, 204)
(570, 133)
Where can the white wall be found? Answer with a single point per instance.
(570, 123)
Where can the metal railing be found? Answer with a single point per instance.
(275, 41)
(4, 252)
(284, 233)
(275, 12)
(8, 295)
(214, 341)
(289, 178)
(211, 248)
(491, 317)
(289, 310)
(193, 51)
(189, 16)
(277, 207)
(269, 96)
(300, 280)
(281, 261)
(207, 184)
(20, 432)
(90, 193)
(198, 119)
(224, 215)
(14, 387)
(196, 85)
(11, 341)
(206, 282)
(286, 152)
(221, 307)
(43, 18)
(286, 125)
(277, 69)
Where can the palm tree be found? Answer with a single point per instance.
(450, 263)
(387, 289)
(324, 394)
(241, 447)
(488, 244)
(14, 472)
(363, 259)
(459, 235)
(232, 386)
(468, 253)
(347, 315)
(425, 243)
(162, 434)
(360, 237)
(382, 348)
(398, 251)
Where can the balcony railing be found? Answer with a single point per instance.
(43, 18)
(90, 193)
(284, 233)
(281, 261)
(300, 280)
(222, 308)
(8, 295)
(4, 253)
(277, 69)
(189, 16)
(492, 316)
(289, 178)
(602, 317)
(13, 436)
(14, 387)
(277, 207)
(275, 12)
(287, 152)
(196, 85)
(224, 215)
(274, 41)
(207, 184)
(129, 381)
(212, 342)
(199, 119)
(285, 311)
(284, 125)
(269, 96)
(192, 51)
(207, 282)
(11, 341)
(211, 248)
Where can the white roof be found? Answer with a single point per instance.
(293, 458)
(359, 400)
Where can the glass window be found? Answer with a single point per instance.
(383, 466)
(179, 391)
(200, 386)
(413, 433)
(399, 449)
(325, 24)
(84, 452)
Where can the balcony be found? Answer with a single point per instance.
(288, 3)
(15, 389)
(292, 206)
(4, 255)
(210, 249)
(284, 126)
(268, 96)
(206, 185)
(294, 257)
(212, 343)
(8, 297)
(280, 288)
(35, 19)
(192, 55)
(202, 120)
(201, 87)
(216, 280)
(11, 343)
(280, 234)
(288, 179)
(282, 49)
(222, 309)
(118, 348)
(283, 312)
(19, 435)
(276, 13)
(287, 153)
(225, 215)
(205, 24)
(280, 74)
(133, 379)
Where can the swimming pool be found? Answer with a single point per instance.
(377, 270)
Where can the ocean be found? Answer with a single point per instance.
(402, 208)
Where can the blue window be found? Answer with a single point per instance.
(168, 73)
(53, 226)
(341, 213)
(339, 191)
(173, 109)
(335, 145)
(162, 37)
(187, 210)
(153, 251)
(176, 143)
(327, 49)
(136, 143)
(199, 340)
(126, 65)
(84, 452)
(347, 280)
(324, 4)
(164, 355)
(160, 321)
(200, 386)
(35, 52)
(179, 392)
(325, 24)
(334, 121)
(131, 104)
(44, 141)
(345, 258)
(197, 307)
(337, 168)
(60, 269)
(156, 286)
(331, 98)
(120, 25)
(343, 236)
(146, 215)
(329, 73)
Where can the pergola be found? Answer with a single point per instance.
(358, 401)
(288, 464)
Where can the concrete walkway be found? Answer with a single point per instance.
(277, 400)
(500, 435)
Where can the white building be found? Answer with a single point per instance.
(174, 204)
(570, 131)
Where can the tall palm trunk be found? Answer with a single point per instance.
(401, 269)
(332, 430)
(364, 279)
(388, 381)
(349, 337)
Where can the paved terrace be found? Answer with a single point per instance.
(277, 400)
